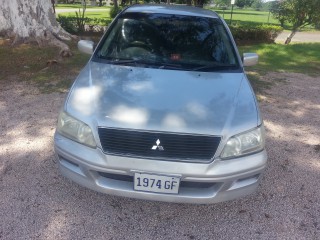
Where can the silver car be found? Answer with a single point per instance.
(163, 111)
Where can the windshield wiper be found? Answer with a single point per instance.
(127, 61)
(215, 66)
(156, 64)
(164, 65)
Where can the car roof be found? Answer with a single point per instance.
(172, 9)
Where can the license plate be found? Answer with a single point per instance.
(156, 183)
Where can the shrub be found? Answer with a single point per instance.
(99, 21)
(68, 23)
(264, 33)
(71, 23)
(114, 11)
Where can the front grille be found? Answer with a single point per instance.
(176, 147)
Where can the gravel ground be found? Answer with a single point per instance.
(37, 203)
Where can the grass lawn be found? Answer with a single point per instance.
(36, 65)
(300, 58)
(100, 13)
(90, 14)
(77, 6)
(247, 16)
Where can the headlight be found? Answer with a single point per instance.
(244, 143)
(75, 130)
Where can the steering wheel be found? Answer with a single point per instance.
(141, 45)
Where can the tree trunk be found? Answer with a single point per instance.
(289, 38)
(115, 3)
(53, 2)
(32, 20)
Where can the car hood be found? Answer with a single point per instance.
(163, 100)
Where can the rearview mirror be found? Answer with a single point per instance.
(85, 46)
(250, 59)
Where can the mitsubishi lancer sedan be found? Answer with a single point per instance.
(163, 111)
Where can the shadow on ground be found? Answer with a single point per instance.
(36, 202)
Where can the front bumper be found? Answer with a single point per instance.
(200, 183)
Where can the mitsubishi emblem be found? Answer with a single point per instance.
(155, 147)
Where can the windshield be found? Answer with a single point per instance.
(169, 41)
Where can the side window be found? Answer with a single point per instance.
(109, 47)
(219, 50)
(217, 46)
(229, 55)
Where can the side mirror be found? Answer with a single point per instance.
(86, 46)
(250, 59)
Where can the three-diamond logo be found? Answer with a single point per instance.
(158, 146)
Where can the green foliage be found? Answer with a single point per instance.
(177, 1)
(297, 12)
(80, 18)
(200, 3)
(257, 5)
(264, 33)
(243, 3)
(279, 12)
(98, 21)
(70, 24)
(114, 11)
(222, 3)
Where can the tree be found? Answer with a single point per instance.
(32, 20)
(257, 4)
(200, 3)
(115, 4)
(299, 13)
(242, 3)
(223, 3)
(278, 10)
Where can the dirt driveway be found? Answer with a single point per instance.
(37, 203)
